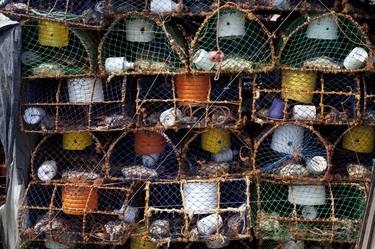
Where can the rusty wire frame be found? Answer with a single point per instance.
(369, 102)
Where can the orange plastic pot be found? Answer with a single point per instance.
(75, 198)
(149, 142)
(192, 88)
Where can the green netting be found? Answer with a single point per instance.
(331, 42)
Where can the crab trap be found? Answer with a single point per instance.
(143, 155)
(302, 244)
(141, 44)
(76, 104)
(79, 211)
(328, 42)
(292, 151)
(306, 97)
(317, 212)
(216, 151)
(198, 210)
(232, 40)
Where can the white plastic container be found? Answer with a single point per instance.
(324, 28)
(117, 65)
(85, 90)
(308, 195)
(304, 112)
(201, 60)
(287, 139)
(200, 197)
(47, 171)
(139, 30)
(317, 165)
(169, 117)
(209, 224)
(356, 59)
(231, 24)
(33, 115)
(160, 6)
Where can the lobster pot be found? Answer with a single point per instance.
(291, 150)
(51, 49)
(244, 41)
(143, 155)
(307, 97)
(314, 207)
(327, 42)
(87, 213)
(64, 156)
(215, 207)
(146, 47)
(72, 12)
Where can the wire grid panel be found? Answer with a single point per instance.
(77, 212)
(92, 13)
(292, 150)
(60, 157)
(198, 210)
(53, 49)
(76, 104)
(143, 155)
(328, 42)
(302, 244)
(214, 152)
(317, 212)
(244, 43)
(141, 44)
(306, 97)
(353, 153)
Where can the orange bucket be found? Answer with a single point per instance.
(74, 199)
(192, 88)
(148, 142)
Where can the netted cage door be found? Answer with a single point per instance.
(53, 49)
(141, 44)
(143, 155)
(306, 97)
(231, 40)
(328, 42)
(292, 151)
(306, 211)
(214, 152)
(198, 210)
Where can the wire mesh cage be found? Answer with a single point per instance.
(3, 176)
(317, 212)
(143, 155)
(284, 5)
(141, 44)
(53, 49)
(328, 42)
(302, 244)
(198, 210)
(306, 97)
(77, 212)
(368, 114)
(76, 104)
(292, 150)
(232, 40)
(222, 243)
(215, 152)
(60, 157)
(52, 245)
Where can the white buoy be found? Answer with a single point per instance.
(117, 65)
(317, 165)
(231, 24)
(33, 115)
(308, 195)
(324, 28)
(200, 197)
(287, 139)
(150, 160)
(304, 112)
(139, 30)
(160, 6)
(209, 224)
(47, 171)
(201, 60)
(85, 90)
(356, 59)
(169, 117)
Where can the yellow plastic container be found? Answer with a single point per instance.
(53, 34)
(294, 85)
(215, 140)
(359, 139)
(77, 140)
(139, 243)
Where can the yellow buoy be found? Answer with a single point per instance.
(53, 34)
(215, 140)
(298, 85)
(77, 140)
(359, 139)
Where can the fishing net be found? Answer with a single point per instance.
(304, 5)
(49, 245)
(231, 40)
(215, 152)
(3, 176)
(77, 211)
(291, 150)
(143, 155)
(91, 13)
(328, 42)
(329, 212)
(140, 44)
(302, 244)
(52, 49)
(306, 97)
(198, 210)
(222, 243)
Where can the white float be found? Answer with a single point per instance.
(209, 224)
(324, 28)
(201, 60)
(200, 197)
(139, 30)
(231, 24)
(33, 115)
(85, 90)
(287, 139)
(117, 65)
(304, 112)
(47, 171)
(308, 195)
(356, 59)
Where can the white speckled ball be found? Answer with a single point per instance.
(47, 171)
(317, 165)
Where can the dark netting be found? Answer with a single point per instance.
(302, 244)
(313, 212)
(306, 97)
(52, 244)
(328, 42)
(369, 100)
(141, 44)
(244, 43)
(53, 49)
(214, 152)
(198, 210)
(221, 243)
(143, 155)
